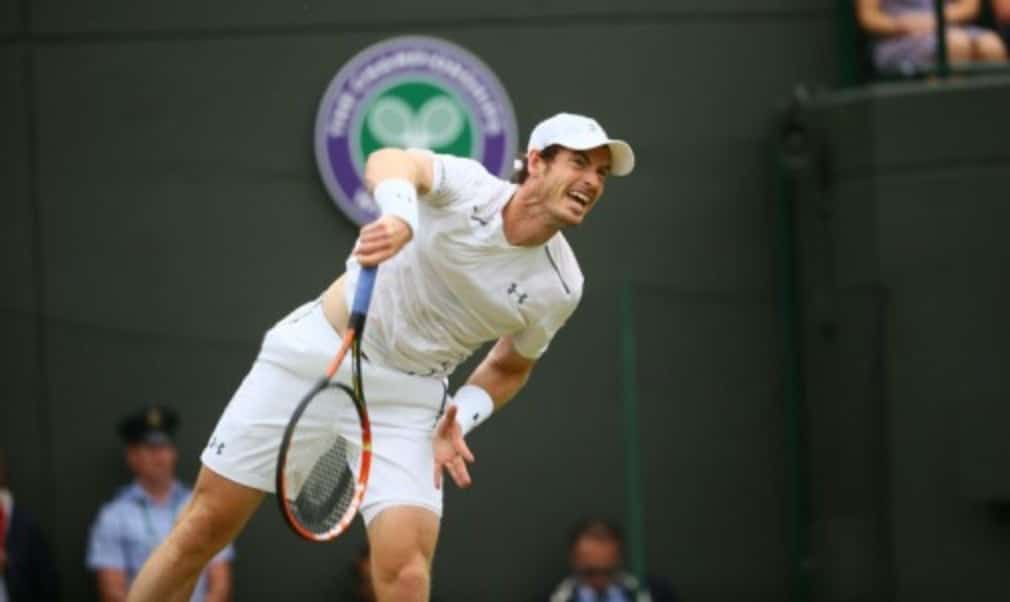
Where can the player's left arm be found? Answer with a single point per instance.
(497, 379)
(502, 373)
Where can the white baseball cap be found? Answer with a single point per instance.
(578, 132)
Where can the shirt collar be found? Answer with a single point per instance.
(612, 593)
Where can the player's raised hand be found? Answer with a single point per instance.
(451, 451)
(381, 239)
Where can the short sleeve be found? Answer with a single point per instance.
(105, 543)
(533, 341)
(457, 180)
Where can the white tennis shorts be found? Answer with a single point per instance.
(402, 408)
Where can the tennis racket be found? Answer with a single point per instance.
(318, 490)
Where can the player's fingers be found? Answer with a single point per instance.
(374, 245)
(384, 228)
(438, 475)
(372, 256)
(464, 450)
(372, 228)
(374, 235)
(459, 472)
(448, 420)
(369, 261)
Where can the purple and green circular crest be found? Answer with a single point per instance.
(409, 92)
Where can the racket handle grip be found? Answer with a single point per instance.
(363, 294)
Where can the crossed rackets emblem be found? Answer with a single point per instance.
(394, 123)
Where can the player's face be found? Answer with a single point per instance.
(152, 463)
(596, 561)
(573, 181)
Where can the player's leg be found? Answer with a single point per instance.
(402, 541)
(402, 507)
(214, 516)
(239, 462)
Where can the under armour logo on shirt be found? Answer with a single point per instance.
(513, 290)
(214, 443)
(478, 219)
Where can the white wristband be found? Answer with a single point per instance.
(473, 405)
(398, 197)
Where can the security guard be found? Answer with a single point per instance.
(139, 517)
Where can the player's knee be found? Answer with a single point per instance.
(409, 580)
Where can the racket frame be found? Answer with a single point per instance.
(351, 341)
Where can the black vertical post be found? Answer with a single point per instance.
(632, 437)
(942, 60)
(792, 156)
(848, 42)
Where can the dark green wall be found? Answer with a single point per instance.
(161, 208)
(903, 209)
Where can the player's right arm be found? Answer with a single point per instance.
(417, 167)
(396, 178)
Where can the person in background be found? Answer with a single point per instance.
(27, 570)
(1001, 14)
(137, 519)
(595, 557)
(904, 34)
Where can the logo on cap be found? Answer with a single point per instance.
(409, 92)
(154, 419)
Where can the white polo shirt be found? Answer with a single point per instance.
(459, 284)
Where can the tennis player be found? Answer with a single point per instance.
(467, 259)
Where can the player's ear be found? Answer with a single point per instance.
(535, 162)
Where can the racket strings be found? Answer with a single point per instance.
(329, 489)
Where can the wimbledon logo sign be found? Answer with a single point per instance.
(409, 92)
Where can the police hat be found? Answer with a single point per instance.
(154, 425)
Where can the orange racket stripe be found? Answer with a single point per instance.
(339, 357)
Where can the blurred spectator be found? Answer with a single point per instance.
(595, 552)
(1001, 13)
(27, 571)
(904, 34)
(139, 517)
